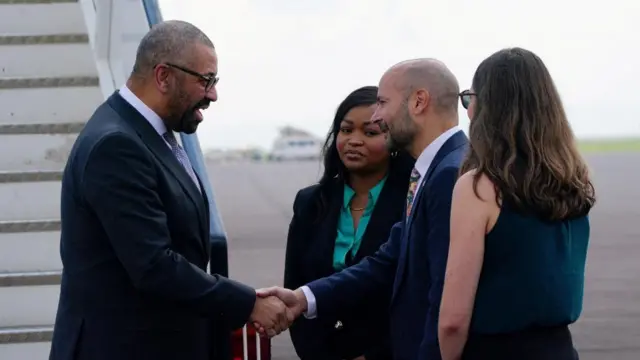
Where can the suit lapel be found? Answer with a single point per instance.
(381, 218)
(327, 230)
(161, 150)
(206, 226)
(454, 142)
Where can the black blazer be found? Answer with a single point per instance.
(309, 256)
(135, 248)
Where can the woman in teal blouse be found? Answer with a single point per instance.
(342, 219)
(519, 220)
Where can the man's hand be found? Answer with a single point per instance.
(272, 315)
(295, 302)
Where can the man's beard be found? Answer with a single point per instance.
(188, 121)
(185, 121)
(402, 132)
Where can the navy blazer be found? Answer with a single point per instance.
(309, 256)
(410, 265)
(135, 248)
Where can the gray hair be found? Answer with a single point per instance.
(168, 41)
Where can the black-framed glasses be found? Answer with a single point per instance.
(465, 98)
(210, 80)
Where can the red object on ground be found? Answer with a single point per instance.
(254, 342)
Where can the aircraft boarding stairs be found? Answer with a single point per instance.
(50, 84)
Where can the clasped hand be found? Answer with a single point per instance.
(275, 310)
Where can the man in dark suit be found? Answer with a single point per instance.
(134, 242)
(417, 103)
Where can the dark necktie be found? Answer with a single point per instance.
(181, 155)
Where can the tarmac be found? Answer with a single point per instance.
(255, 201)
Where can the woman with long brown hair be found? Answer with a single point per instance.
(519, 220)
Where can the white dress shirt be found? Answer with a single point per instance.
(422, 165)
(146, 111)
(426, 157)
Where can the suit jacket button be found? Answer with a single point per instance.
(338, 325)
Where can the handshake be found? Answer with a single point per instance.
(275, 310)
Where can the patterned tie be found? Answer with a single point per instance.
(181, 155)
(413, 184)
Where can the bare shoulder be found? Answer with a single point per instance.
(483, 191)
(479, 199)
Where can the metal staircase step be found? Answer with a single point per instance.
(19, 238)
(41, 129)
(27, 303)
(66, 55)
(20, 252)
(45, 151)
(12, 2)
(48, 100)
(45, 17)
(29, 176)
(25, 342)
(29, 298)
(28, 226)
(33, 196)
(44, 39)
(25, 351)
(27, 334)
(49, 82)
(8, 279)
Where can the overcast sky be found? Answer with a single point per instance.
(291, 62)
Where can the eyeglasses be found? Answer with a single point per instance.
(465, 98)
(210, 80)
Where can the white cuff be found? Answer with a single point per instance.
(311, 303)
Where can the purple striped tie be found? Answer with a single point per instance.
(181, 155)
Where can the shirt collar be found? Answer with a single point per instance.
(144, 110)
(429, 153)
(374, 193)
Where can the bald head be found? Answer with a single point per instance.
(431, 75)
(167, 42)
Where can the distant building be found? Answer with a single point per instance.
(235, 155)
(296, 144)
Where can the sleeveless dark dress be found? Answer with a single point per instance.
(530, 289)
